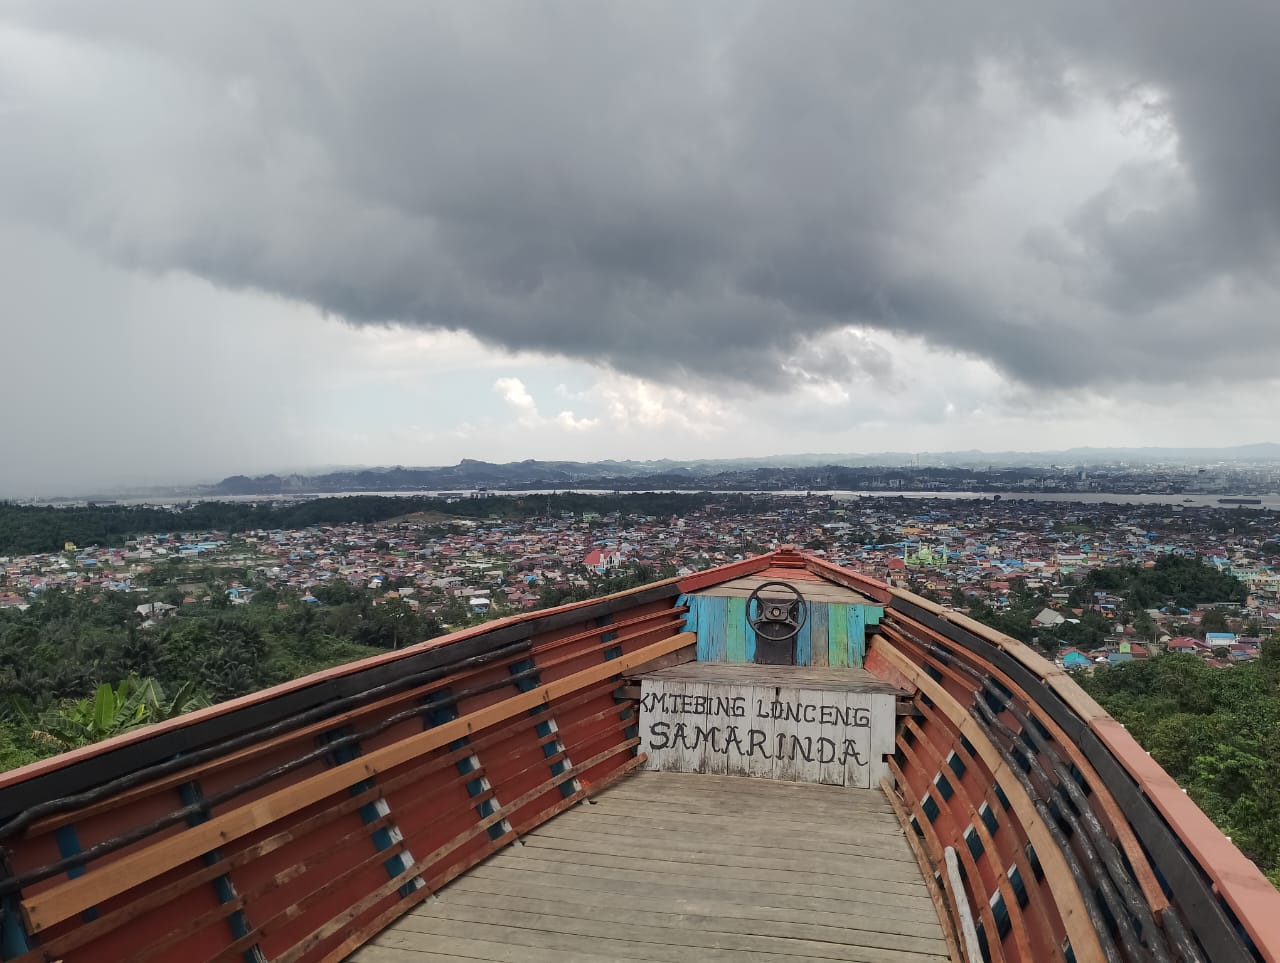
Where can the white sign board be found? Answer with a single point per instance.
(772, 732)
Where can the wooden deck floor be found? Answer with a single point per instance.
(678, 867)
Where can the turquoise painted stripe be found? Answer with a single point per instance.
(735, 630)
(857, 635)
(838, 634)
(749, 648)
(711, 619)
(804, 644)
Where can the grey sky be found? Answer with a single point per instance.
(813, 199)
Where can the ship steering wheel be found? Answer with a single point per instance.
(779, 620)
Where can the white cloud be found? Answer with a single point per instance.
(517, 396)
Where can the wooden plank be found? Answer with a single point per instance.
(832, 772)
(833, 929)
(564, 932)
(838, 635)
(543, 946)
(840, 899)
(389, 954)
(857, 635)
(693, 834)
(795, 798)
(972, 950)
(687, 655)
(804, 644)
(884, 724)
(696, 618)
(735, 628)
(845, 829)
(820, 639)
(559, 900)
(690, 753)
(714, 762)
(711, 623)
(412, 948)
(723, 857)
(57, 903)
(757, 764)
(762, 817)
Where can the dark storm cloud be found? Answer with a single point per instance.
(667, 188)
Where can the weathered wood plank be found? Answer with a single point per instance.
(833, 929)
(838, 635)
(720, 865)
(820, 640)
(851, 829)
(736, 630)
(566, 933)
(857, 635)
(906, 919)
(804, 644)
(750, 895)
(711, 623)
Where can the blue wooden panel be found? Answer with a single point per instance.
(690, 617)
(857, 635)
(819, 640)
(749, 649)
(711, 622)
(804, 644)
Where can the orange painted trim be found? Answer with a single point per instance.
(724, 573)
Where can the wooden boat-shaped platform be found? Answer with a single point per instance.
(775, 760)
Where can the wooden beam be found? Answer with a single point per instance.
(971, 948)
(58, 903)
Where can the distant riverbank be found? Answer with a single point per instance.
(1268, 501)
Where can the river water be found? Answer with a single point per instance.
(1269, 501)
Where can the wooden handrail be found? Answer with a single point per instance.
(1071, 907)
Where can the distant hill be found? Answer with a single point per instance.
(961, 468)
